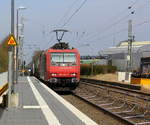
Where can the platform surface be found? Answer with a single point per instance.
(39, 105)
(3, 78)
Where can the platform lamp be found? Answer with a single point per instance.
(18, 41)
(17, 32)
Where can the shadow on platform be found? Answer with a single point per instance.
(64, 92)
(2, 109)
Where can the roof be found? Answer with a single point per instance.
(123, 48)
(63, 50)
(135, 43)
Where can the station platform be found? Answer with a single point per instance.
(39, 105)
(3, 79)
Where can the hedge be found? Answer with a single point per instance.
(86, 69)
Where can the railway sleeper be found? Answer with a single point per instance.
(107, 104)
(126, 111)
(117, 107)
(129, 108)
(142, 123)
(99, 98)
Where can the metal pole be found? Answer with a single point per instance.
(21, 41)
(13, 33)
(15, 64)
(130, 39)
(17, 47)
(17, 35)
(92, 68)
(15, 55)
(18, 57)
(10, 80)
(12, 17)
(10, 56)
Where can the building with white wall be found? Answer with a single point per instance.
(118, 55)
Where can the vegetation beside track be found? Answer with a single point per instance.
(3, 55)
(110, 77)
(88, 69)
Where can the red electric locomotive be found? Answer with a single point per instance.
(60, 68)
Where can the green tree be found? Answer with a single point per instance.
(3, 55)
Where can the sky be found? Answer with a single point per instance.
(97, 25)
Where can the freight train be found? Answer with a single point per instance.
(143, 76)
(59, 67)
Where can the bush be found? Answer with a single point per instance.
(3, 56)
(86, 69)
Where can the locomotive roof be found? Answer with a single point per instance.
(63, 50)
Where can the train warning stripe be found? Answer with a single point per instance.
(3, 89)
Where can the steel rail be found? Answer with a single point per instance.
(125, 87)
(105, 110)
(131, 102)
(120, 92)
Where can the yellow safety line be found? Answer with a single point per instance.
(3, 89)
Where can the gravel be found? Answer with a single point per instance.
(95, 114)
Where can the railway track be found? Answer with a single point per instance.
(130, 106)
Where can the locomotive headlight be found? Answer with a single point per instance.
(54, 74)
(73, 74)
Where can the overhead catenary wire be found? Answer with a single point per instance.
(115, 23)
(50, 41)
(143, 5)
(81, 7)
(141, 23)
(125, 10)
(111, 26)
(118, 21)
(134, 3)
(79, 35)
(67, 12)
(75, 12)
(61, 20)
(122, 30)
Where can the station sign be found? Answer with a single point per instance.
(12, 41)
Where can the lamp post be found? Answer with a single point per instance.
(17, 32)
(18, 40)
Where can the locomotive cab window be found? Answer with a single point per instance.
(63, 59)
